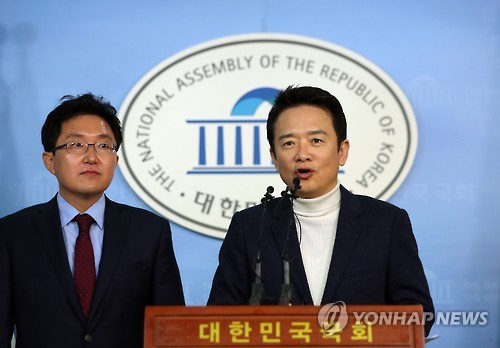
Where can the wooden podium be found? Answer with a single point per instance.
(282, 326)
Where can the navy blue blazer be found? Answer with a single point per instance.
(375, 258)
(38, 296)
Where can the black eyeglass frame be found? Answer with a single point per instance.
(99, 150)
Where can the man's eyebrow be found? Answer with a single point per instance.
(80, 136)
(313, 132)
(284, 136)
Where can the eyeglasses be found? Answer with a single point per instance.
(80, 147)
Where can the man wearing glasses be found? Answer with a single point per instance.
(80, 269)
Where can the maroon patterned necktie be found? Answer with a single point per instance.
(84, 266)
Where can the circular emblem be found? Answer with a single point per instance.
(332, 318)
(195, 146)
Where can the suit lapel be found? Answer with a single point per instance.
(48, 223)
(283, 224)
(115, 233)
(348, 231)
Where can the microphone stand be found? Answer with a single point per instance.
(257, 288)
(286, 288)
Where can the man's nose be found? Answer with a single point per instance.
(303, 152)
(91, 154)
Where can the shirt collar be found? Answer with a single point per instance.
(319, 205)
(67, 212)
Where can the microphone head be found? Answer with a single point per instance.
(268, 196)
(296, 184)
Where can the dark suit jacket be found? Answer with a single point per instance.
(137, 268)
(375, 258)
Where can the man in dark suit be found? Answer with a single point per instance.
(339, 246)
(68, 284)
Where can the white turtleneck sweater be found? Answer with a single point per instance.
(316, 220)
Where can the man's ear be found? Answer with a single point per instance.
(344, 152)
(273, 157)
(48, 161)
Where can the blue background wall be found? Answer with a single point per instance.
(445, 55)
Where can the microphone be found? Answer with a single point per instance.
(296, 186)
(257, 289)
(290, 192)
(286, 288)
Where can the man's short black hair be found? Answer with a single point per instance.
(312, 96)
(71, 106)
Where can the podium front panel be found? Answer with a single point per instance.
(281, 326)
